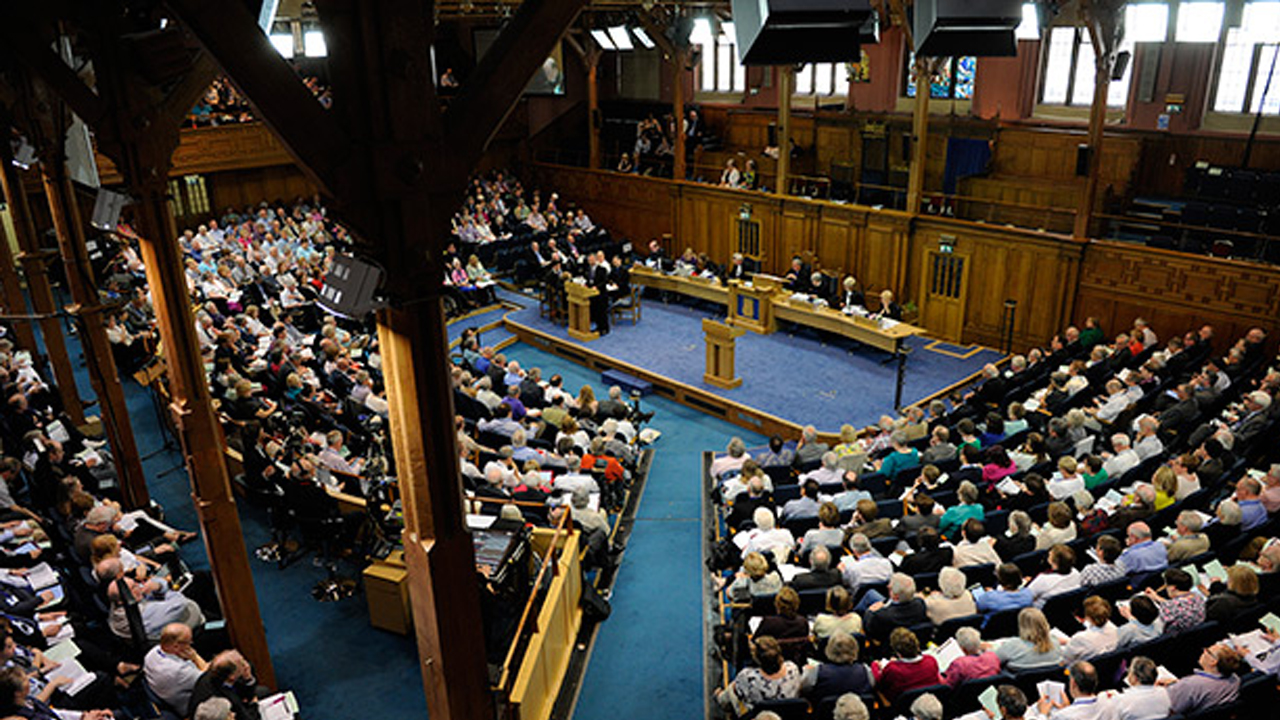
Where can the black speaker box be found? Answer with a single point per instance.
(782, 32)
(950, 28)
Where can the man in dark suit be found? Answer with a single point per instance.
(821, 575)
(614, 406)
(737, 269)
(531, 393)
(992, 390)
(229, 676)
(930, 556)
(902, 609)
(599, 279)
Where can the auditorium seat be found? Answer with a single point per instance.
(1001, 624)
(902, 705)
(964, 697)
(789, 709)
(950, 626)
(984, 575)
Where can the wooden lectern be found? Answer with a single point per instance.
(721, 339)
(751, 305)
(580, 311)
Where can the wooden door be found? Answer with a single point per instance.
(942, 302)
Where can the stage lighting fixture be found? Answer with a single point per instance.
(350, 288)
(781, 32)
(950, 28)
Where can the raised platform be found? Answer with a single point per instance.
(789, 380)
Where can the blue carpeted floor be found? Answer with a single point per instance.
(801, 377)
(653, 639)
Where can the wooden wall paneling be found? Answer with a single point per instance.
(1176, 292)
(882, 251)
(796, 231)
(834, 240)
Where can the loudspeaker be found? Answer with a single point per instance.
(949, 28)
(1083, 151)
(350, 286)
(106, 209)
(1122, 64)
(780, 32)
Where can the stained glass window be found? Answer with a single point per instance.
(952, 79)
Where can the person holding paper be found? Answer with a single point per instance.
(231, 677)
(1083, 689)
(976, 547)
(976, 662)
(1007, 595)
(16, 701)
(1181, 607)
(1061, 577)
(1240, 596)
(1187, 541)
(771, 678)
(1143, 699)
(1061, 527)
(953, 599)
(1144, 622)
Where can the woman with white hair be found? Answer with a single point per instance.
(977, 662)
(850, 707)
(953, 599)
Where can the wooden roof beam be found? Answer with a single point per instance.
(502, 74)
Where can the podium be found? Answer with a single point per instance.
(721, 341)
(580, 311)
(751, 305)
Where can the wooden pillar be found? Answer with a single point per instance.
(65, 211)
(1097, 126)
(678, 61)
(919, 137)
(443, 586)
(192, 409)
(786, 81)
(15, 303)
(592, 60)
(34, 261)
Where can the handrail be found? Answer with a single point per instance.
(553, 555)
(1193, 228)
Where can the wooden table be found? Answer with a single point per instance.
(864, 330)
(709, 290)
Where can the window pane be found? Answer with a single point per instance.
(1233, 76)
(1262, 21)
(313, 44)
(708, 68)
(724, 66)
(822, 78)
(1086, 64)
(739, 72)
(940, 81)
(911, 74)
(804, 80)
(1272, 105)
(1057, 72)
(1146, 22)
(966, 70)
(1199, 21)
(283, 43)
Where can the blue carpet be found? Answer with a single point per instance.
(654, 636)
(796, 377)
